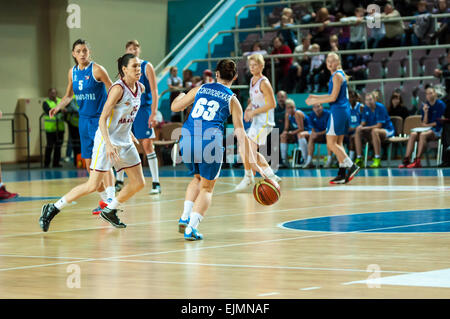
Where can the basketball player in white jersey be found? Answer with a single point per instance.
(261, 113)
(113, 146)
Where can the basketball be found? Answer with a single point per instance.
(266, 192)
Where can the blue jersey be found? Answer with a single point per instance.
(319, 123)
(379, 115)
(435, 112)
(342, 98)
(355, 115)
(146, 97)
(90, 94)
(293, 122)
(211, 109)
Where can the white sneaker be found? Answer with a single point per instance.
(245, 184)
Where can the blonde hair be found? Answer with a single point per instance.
(132, 42)
(315, 46)
(340, 64)
(291, 102)
(258, 58)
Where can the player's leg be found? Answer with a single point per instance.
(147, 145)
(303, 144)
(49, 211)
(260, 159)
(311, 147)
(378, 135)
(424, 138)
(359, 135)
(284, 148)
(4, 194)
(413, 137)
(192, 192)
(248, 179)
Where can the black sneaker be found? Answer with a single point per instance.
(352, 171)
(48, 211)
(110, 215)
(118, 186)
(156, 189)
(340, 178)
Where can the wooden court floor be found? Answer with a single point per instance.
(245, 254)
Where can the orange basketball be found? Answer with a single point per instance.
(266, 192)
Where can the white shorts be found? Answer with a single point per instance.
(258, 133)
(128, 155)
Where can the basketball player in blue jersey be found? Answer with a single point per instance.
(89, 82)
(339, 120)
(201, 142)
(145, 119)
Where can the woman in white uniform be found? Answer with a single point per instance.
(113, 146)
(261, 113)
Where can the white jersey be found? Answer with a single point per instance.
(123, 115)
(257, 99)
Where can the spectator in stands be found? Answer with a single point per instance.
(396, 106)
(355, 121)
(280, 110)
(282, 65)
(196, 81)
(431, 112)
(207, 77)
(54, 130)
(375, 34)
(288, 35)
(187, 79)
(375, 126)
(4, 194)
(317, 60)
(357, 30)
(174, 83)
(303, 62)
(394, 29)
(256, 49)
(318, 120)
(444, 73)
(322, 34)
(442, 34)
(334, 43)
(288, 13)
(410, 37)
(295, 122)
(344, 31)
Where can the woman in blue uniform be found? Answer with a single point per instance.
(339, 120)
(89, 82)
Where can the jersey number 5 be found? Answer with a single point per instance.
(80, 85)
(209, 113)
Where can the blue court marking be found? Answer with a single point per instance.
(26, 199)
(181, 171)
(411, 221)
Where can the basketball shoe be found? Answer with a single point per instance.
(48, 211)
(110, 215)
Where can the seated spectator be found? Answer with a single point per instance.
(295, 122)
(288, 13)
(314, 69)
(444, 73)
(396, 106)
(375, 126)
(301, 66)
(282, 65)
(196, 81)
(441, 34)
(288, 35)
(322, 34)
(355, 121)
(431, 112)
(374, 33)
(318, 120)
(187, 79)
(394, 29)
(256, 49)
(280, 110)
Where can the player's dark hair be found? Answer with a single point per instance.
(226, 69)
(123, 62)
(77, 42)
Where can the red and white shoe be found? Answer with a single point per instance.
(405, 163)
(415, 164)
(98, 210)
(4, 194)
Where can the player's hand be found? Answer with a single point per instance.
(112, 152)
(256, 168)
(54, 111)
(152, 121)
(310, 100)
(425, 107)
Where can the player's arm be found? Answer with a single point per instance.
(299, 119)
(183, 100)
(114, 95)
(239, 132)
(286, 123)
(101, 74)
(327, 98)
(151, 76)
(267, 91)
(66, 98)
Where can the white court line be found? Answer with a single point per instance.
(269, 294)
(46, 265)
(42, 257)
(251, 266)
(310, 288)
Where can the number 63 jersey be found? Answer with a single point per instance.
(211, 109)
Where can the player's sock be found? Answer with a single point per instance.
(308, 159)
(359, 156)
(351, 154)
(303, 146)
(249, 173)
(269, 172)
(348, 162)
(283, 148)
(61, 203)
(196, 218)
(103, 195)
(113, 204)
(111, 191)
(187, 209)
(329, 159)
(377, 156)
(153, 165)
(120, 176)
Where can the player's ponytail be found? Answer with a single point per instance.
(123, 62)
(226, 69)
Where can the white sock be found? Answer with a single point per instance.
(351, 155)
(196, 218)
(268, 171)
(61, 203)
(377, 156)
(341, 164)
(153, 165)
(111, 191)
(113, 204)
(303, 146)
(359, 156)
(120, 176)
(348, 162)
(249, 174)
(329, 159)
(187, 209)
(308, 159)
(103, 195)
(283, 148)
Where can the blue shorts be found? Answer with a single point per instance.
(202, 157)
(140, 124)
(339, 121)
(87, 127)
